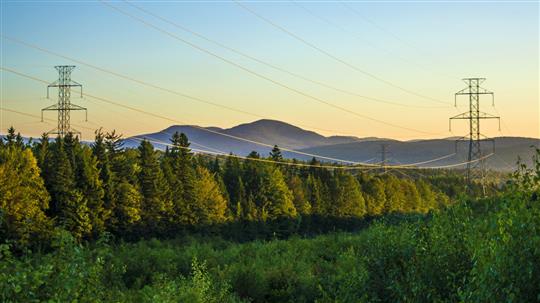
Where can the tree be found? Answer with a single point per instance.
(275, 154)
(210, 205)
(88, 182)
(314, 195)
(68, 205)
(107, 177)
(13, 139)
(23, 198)
(41, 149)
(375, 196)
(155, 192)
(275, 198)
(348, 199)
(395, 198)
(232, 178)
(181, 178)
(298, 191)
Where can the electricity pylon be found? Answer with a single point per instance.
(64, 106)
(475, 161)
(384, 159)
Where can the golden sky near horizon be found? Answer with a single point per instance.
(366, 49)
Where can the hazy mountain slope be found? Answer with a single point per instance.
(340, 147)
(507, 150)
(266, 131)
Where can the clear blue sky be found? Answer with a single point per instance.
(426, 47)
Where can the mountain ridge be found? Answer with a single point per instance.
(349, 148)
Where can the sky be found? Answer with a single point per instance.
(411, 55)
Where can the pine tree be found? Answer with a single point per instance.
(128, 211)
(298, 191)
(67, 203)
(412, 197)
(275, 154)
(108, 179)
(156, 208)
(182, 179)
(41, 149)
(232, 178)
(91, 187)
(314, 195)
(348, 199)
(275, 198)
(13, 139)
(375, 197)
(395, 198)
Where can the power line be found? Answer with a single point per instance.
(474, 115)
(154, 86)
(374, 24)
(183, 122)
(273, 66)
(64, 105)
(217, 153)
(232, 136)
(367, 168)
(335, 58)
(358, 36)
(319, 100)
(428, 161)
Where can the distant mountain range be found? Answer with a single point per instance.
(271, 132)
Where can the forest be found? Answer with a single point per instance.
(101, 223)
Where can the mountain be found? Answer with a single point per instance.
(271, 132)
(267, 131)
(506, 151)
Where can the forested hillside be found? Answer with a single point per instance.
(104, 224)
(141, 193)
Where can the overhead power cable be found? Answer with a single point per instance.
(428, 161)
(154, 86)
(356, 35)
(348, 167)
(254, 73)
(183, 122)
(333, 57)
(272, 161)
(215, 153)
(273, 66)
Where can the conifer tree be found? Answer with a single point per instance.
(314, 194)
(275, 198)
(275, 154)
(395, 198)
(41, 149)
(182, 179)
(13, 139)
(348, 199)
(232, 178)
(107, 177)
(298, 191)
(91, 187)
(67, 203)
(156, 207)
(375, 197)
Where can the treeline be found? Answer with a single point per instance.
(87, 190)
(476, 250)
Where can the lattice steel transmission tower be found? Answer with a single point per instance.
(384, 158)
(475, 161)
(64, 106)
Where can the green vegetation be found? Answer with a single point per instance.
(136, 225)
